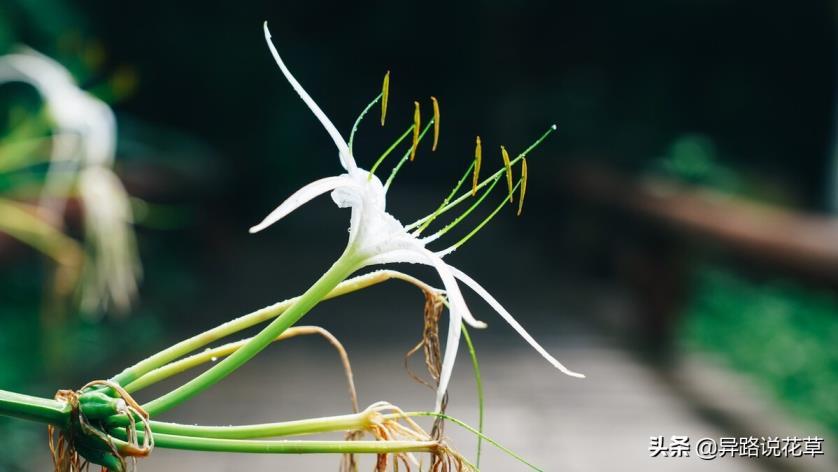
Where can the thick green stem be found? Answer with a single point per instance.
(31, 408)
(339, 271)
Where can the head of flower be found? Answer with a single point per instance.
(377, 237)
(83, 146)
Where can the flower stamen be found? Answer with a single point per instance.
(436, 123)
(478, 160)
(417, 119)
(523, 186)
(482, 184)
(385, 95)
(508, 167)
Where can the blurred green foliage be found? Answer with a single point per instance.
(695, 159)
(783, 334)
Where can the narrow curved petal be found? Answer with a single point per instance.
(452, 290)
(512, 322)
(345, 155)
(452, 343)
(300, 198)
(42, 72)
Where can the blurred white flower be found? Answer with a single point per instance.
(113, 267)
(376, 237)
(83, 150)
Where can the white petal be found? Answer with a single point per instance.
(299, 198)
(452, 290)
(406, 256)
(512, 322)
(346, 159)
(452, 343)
(48, 76)
(100, 143)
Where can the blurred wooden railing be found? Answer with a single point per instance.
(658, 226)
(785, 238)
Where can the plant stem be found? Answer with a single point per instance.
(479, 381)
(237, 438)
(200, 340)
(283, 447)
(31, 408)
(267, 430)
(212, 355)
(340, 270)
(208, 355)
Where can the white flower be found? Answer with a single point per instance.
(376, 237)
(83, 149)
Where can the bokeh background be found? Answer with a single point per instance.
(679, 242)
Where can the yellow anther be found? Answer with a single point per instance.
(508, 167)
(523, 185)
(478, 159)
(385, 94)
(417, 121)
(436, 123)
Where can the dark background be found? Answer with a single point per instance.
(214, 138)
(622, 80)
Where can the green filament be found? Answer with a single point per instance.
(389, 150)
(406, 156)
(482, 223)
(358, 121)
(473, 206)
(429, 219)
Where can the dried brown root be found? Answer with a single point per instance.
(349, 463)
(389, 423)
(431, 348)
(65, 458)
(344, 357)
